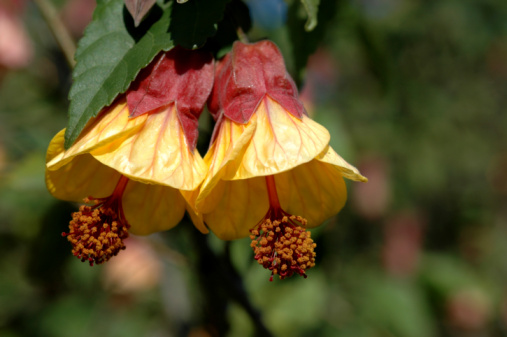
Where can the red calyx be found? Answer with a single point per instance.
(181, 77)
(246, 75)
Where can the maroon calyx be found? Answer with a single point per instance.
(246, 75)
(180, 77)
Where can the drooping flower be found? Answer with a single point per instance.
(271, 171)
(136, 160)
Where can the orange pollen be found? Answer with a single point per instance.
(283, 246)
(280, 241)
(97, 232)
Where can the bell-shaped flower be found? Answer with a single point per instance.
(271, 171)
(136, 161)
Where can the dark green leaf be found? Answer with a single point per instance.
(312, 9)
(194, 21)
(110, 56)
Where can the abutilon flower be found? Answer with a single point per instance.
(271, 171)
(135, 161)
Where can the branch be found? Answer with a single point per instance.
(222, 282)
(58, 29)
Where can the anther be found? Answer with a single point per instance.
(280, 240)
(283, 245)
(97, 232)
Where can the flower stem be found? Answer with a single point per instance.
(120, 187)
(220, 284)
(60, 32)
(274, 202)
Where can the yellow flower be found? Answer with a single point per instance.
(135, 165)
(268, 161)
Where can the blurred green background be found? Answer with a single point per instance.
(413, 93)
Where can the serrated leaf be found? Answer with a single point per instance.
(312, 9)
(193, 22)
(109, 57)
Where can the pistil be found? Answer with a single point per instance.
(97, 232)
(280, 241)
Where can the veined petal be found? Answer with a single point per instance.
(110, 125)
(196, 217)
(157, 153)
(224, 156)
(237, 206)
(315, 190)
(148, 208)
(281, 142)
(348, 171)
(273, 141)
(152, 208)
(78, 177)
(55, 152)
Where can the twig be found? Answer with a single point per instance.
(58, 29)
(214, 306)
(239, 294)
(221, 282)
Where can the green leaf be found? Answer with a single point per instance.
(194, 21)
(312, 9)
(109, 57)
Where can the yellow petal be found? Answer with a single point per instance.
(152, 208)
(314, 190)
(238, 206)
(196, 217)
(281, 142)
(273, 141)
(348, 171)
(156, 153)
(224, 156)
(56, 151)
(110, 125)
(79, 177)
(148, 208)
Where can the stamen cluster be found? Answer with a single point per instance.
(97, 232)
(283, 246)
